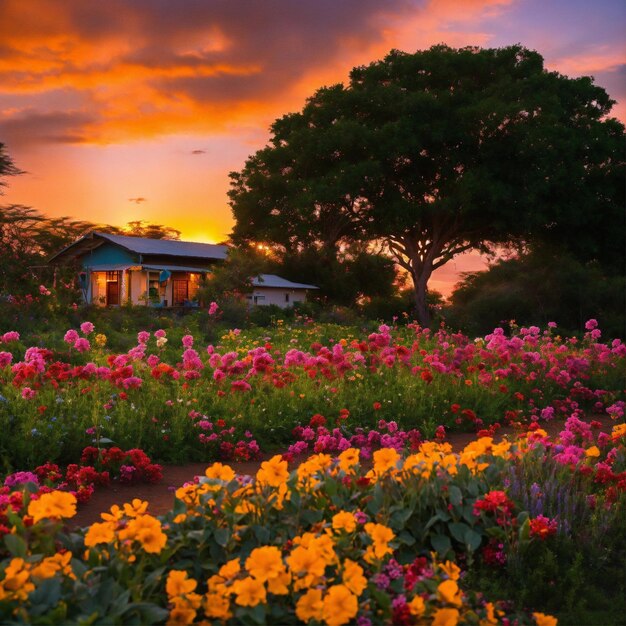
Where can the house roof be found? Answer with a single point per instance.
(142, 245)
(271, 280)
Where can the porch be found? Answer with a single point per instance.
(141, 285)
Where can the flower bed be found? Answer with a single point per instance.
(403, 540)
(182, 401)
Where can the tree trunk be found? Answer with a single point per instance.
(421, 306)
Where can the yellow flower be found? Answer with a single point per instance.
(310, 606)
(348, 459)
(385, 459)
(618, 431)
(53, 505)
(220, 472)
(545, 620)
(353, 577)
(340, 606)
(445, 617)
(250, 592)
(344, 521)
(592, 452)
(179, 584)
(448, 592)
(265, 563)
(417, 606)
(273, 472)
(100, 340)
(99, 532)
(135, 508)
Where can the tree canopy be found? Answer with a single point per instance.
(436, 153)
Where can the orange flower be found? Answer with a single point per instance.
(385, 459)
(250, 592)
(344, 521)
(265, 563)
(353, 577)
(221, 472)
(449, 593)
(273, 472)
(310, 606)
(445, 617)
(100, 532)
(178, 584)
(542, 619)
(54, 505)
(340, 606)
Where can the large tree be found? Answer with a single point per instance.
(437, 153)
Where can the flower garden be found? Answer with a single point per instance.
(360, 510)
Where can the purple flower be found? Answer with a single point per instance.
(20, 478)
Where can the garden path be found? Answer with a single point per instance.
(161, 495)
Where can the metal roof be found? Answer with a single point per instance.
(167, 247)
(271, 280)
(142, 245)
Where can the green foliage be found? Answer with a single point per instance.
(435, 153)
(536, 288)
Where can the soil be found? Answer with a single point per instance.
(161, 495)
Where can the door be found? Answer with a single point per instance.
(113, 293)
(180, 291)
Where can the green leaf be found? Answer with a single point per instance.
(458, 530)
(15, 545)
(222, 535)
(312, 516)
(441, 543)
(261, 533)
(406, 538)
(472, 539)
(456, 496)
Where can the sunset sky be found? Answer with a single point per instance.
(125, 110)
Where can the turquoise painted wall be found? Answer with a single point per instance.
(108, 254)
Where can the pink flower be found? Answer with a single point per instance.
(213, 308)
(153, 360)
(159, 333)
(70, 336)
(5, 359)
(86, 328)
(82, 344)
(43, 290)
(12, 335)
(143, 336)
(187, 341)
(132, 382)
(28, 393)
(591, 324)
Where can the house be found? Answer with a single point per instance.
(272, 289)
(116, 269)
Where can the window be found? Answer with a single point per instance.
(286, 297)
(258, 299)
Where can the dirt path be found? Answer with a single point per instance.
(161, 495)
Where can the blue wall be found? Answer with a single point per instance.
(108, 254)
